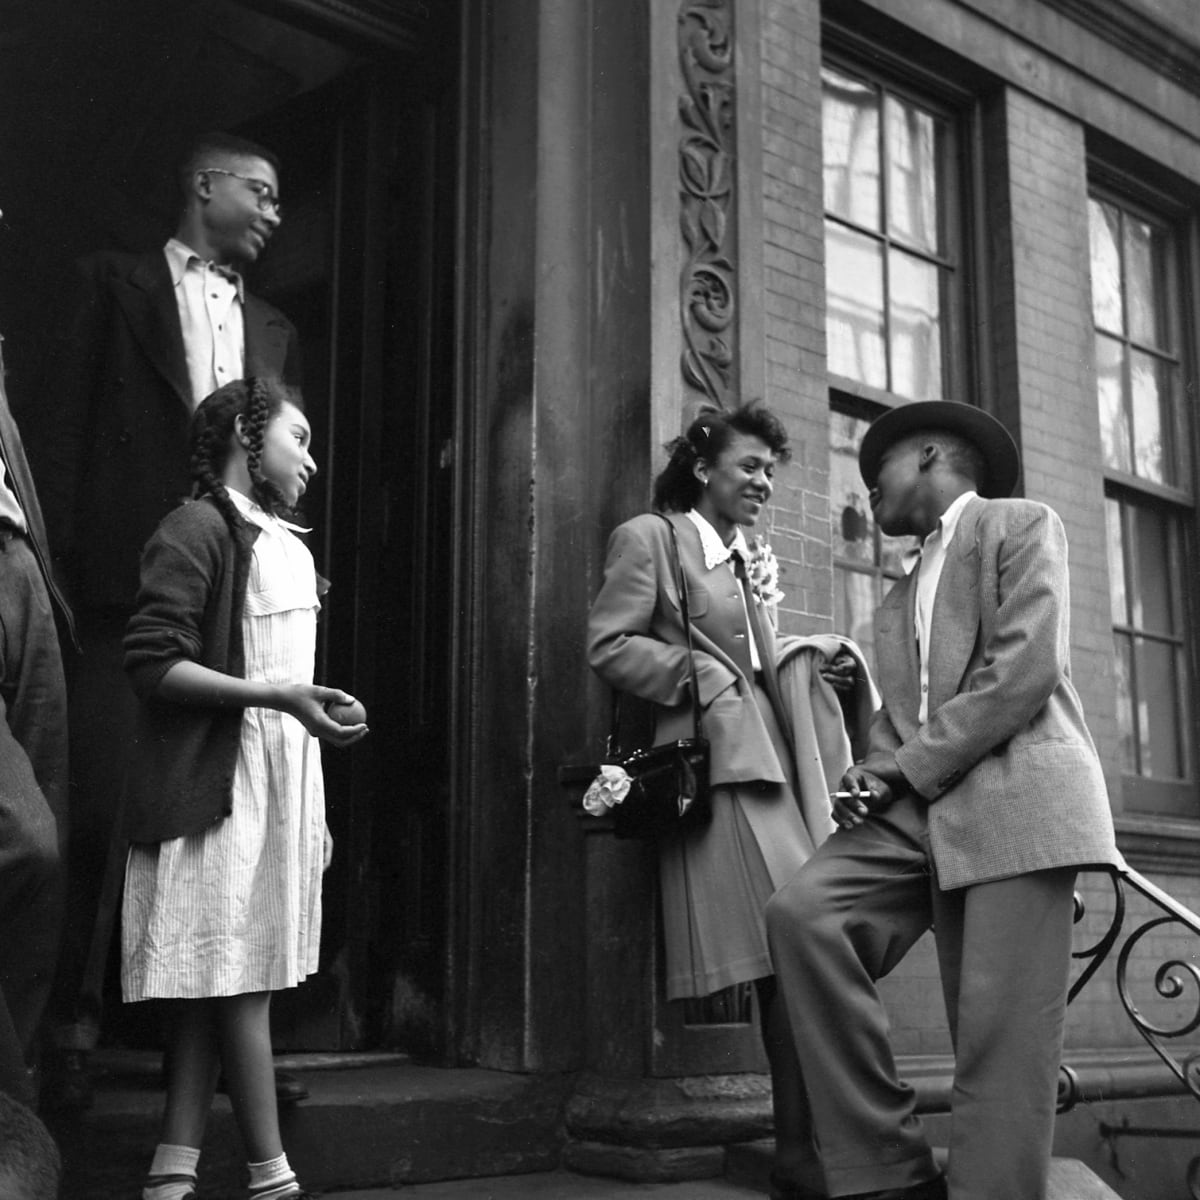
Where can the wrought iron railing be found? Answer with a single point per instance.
(1174, 987)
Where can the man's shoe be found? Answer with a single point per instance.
(930, 1189)
(66, 1083)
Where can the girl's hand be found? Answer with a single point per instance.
(306, 702)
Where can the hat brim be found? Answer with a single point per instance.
(995, 443)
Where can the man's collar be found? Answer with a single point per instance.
(715, 550)
(180, 256)
(944, 530)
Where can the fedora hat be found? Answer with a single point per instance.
(995, 443)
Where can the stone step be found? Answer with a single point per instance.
(748, 1164)
(386, 1124)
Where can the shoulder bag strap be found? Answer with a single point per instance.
(681, 587)
(611, 746)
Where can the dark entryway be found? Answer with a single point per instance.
(359, 102)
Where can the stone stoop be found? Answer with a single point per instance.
(384, 1124)
(750, 1162)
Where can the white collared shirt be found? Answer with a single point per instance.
(716, 553)
(210, 300)
(929, 573)
(282, 576)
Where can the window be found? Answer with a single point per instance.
(866, 563)
(892, 265)
(894, 299)
(1137, 300)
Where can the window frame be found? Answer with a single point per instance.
(1147, 797)
(965, 354)
(959, 174)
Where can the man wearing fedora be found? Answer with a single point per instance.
(979, 799)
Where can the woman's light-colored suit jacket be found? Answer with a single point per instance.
(1004, 760)
(637, 644)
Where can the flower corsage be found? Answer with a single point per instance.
(607, 790)
(762, 572)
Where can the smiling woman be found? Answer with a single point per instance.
(716, 879)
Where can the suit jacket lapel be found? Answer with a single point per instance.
(148, 302)
(954, 626)
(266, 338)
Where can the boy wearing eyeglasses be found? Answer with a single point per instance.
(152, 334)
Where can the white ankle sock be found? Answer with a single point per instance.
(273, 1179)
(172, 1173)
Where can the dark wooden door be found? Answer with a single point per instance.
(360, 266)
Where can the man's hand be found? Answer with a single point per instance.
(841, 674)
(867, 787)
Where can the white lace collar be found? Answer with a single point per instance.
(715, 550)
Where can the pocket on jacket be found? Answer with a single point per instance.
(697, 599)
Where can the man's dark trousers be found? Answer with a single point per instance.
(33, 756)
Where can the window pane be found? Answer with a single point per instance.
(1110, 388)
(911, 147)
(854, 312)
(854, 604)
(1145, 283)
(1150, 578)
(1159, 744)
(1104, 226)
(915, 328)
(856, 538)
(1150, 382)
(1116, 563)
(850, 129)
(1124, 684)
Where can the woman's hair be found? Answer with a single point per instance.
(214, 424)
(676, 488)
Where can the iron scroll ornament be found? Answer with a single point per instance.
(1174, 979)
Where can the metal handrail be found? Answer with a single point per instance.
(1171, 981)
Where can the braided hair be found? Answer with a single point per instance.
(214, 424)
(676, 488)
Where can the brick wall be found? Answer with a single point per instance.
(793, 333)
(1043, 352)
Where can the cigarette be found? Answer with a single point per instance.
(847, 795)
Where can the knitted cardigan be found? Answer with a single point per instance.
(194, 574)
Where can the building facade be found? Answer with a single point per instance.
(524, 240)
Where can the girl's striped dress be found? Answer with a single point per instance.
(238, 908)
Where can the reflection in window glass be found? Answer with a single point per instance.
(1148, 381)
(912, 175)
(1104, 232)
(1116, 563)
(889, 273)
(1124, 682)
(865, 562)
(1141, 422)
(850, 125)
(1149, 618)
(1146, 275)
(854, 299)
(1151, 609)
(1110, 393)
(915, 329)
(1160, 747)
(1143, 428)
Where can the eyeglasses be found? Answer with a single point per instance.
(266, 199)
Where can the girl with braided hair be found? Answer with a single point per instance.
(224, 799)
